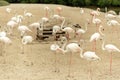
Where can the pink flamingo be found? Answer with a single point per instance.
(46, 11)
(59, 10)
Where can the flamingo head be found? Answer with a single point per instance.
(98, 9)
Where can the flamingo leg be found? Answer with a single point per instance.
(79, 38)
(111, 63)
(1, 48)
(67, 35)
(70, 63)
(95, 46)
(55, 62)
(96, 27)
(22, 49)
(90, 71)
(46, 13)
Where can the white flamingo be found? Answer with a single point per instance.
(67, 30)
(5, 40)
(56, 29)
(112, 12)
(56, 17)
(44, 20)
(54, 48)
(27, 14)
(113, 23)
(110, 48)
(23, 29)
(96, 21)
(81, 11)
(26, 40)
(35, 25)
(89, 56)
(70, 48)
(8, 10)
(79, 32)
(10, 25)
(3, 34)
(96, 36)
(109, 16)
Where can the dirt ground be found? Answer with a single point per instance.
(37, 62)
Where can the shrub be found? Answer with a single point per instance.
(3, 3)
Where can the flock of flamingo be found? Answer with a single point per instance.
(66, 45)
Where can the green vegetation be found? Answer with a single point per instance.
(3, 3)
(100, 3)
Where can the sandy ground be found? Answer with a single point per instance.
(37, 62)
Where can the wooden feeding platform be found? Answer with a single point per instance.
(47, 33)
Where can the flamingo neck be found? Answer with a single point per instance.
(101, 31)
(62, 23)
(86, 26)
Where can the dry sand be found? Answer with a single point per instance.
(37, 62)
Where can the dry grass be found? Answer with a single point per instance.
(37, 63)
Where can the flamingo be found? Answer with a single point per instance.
(8, 10)
(81, 11)
(10, 25)
(113, 23)
(23, 29)
(26, 40)
(35, 25)
(56, 17)
(46, 11)
(109, 16)
(56, 29)
(27, 14)
(112, 12)
(5, 40)
(96, 21)
(67, 30)
(44, 20)
(71, 48)
(110, 48)
(79, 32)
(59, 9)
(119, 15)
(3, 34)
(95, 13)
(89, 56)
(54, 48)
(96, 36)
